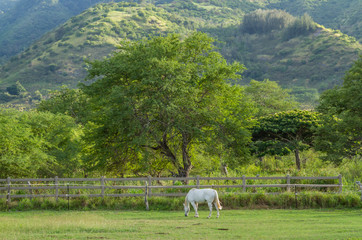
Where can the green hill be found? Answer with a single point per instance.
(58, 57)
(295, 55)
(24, 21)
(316, 59)
(336, 14)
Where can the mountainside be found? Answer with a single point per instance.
(24, 21)
(316, 59)
(58, 57)
(344, 15)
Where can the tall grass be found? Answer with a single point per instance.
(286, 200)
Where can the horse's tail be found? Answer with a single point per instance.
(216, 199)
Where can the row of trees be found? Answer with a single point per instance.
(265, 21)
(159, 106)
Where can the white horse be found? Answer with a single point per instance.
(195, 196)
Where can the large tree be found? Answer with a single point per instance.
(341, 134)
(162, 97)
(285, 132)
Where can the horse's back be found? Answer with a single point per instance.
(201, 195)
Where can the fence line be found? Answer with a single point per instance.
(61, 187)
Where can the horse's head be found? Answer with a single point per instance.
(187, 209)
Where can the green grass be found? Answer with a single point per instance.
(232, 224)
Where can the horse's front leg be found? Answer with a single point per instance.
(210, 207)
(194, 205)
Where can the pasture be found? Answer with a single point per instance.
(232, 224)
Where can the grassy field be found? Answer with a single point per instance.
(232, 224)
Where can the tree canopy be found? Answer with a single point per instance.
(285, 132)
(163, 97)
(341, 106)
(269, 97)
(34, 144)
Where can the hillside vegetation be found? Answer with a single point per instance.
(336, 14)
(58, 57)
(296, 52)
(23, 21)
(316, 58)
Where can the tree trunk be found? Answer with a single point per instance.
(166, 151)
(184, 171)
(297, 158)
(224, 168)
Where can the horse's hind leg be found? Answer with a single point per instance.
(217, 209)
(210, 207)
(195, 207)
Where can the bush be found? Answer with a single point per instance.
(16, 89)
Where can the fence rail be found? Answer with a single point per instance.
(146, 186)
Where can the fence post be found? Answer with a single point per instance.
(340, 183)
(288, 183)
(68, 194)
(244, 183)
(198, 181)
(295, 196)
(146, 197)
(8, 199)
(30, 191)
(256, 178)
(102, 186)
(56, 188)
(149, 184)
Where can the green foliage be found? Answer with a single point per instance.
(71, 102)
(305, 200)
(307, 97)
(269, 97)
(284, 132)
(20, 154)
(37, 145)
(300, 26)
(265, 21)
(16, 89)
(335, 14)
(340, 135)
(310, 61)
(6, 97)
(161, 98)
(351, 169)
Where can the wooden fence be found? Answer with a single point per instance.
(149, 186)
